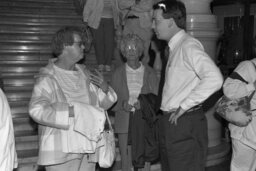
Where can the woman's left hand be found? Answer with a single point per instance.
(137, 105)
(97, 79)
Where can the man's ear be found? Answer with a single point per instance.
(64, 49)
(171, 22)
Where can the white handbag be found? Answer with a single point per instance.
(107, 152)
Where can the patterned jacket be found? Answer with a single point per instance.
(49, 108)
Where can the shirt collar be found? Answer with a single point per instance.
(175, 39)
(128, 68)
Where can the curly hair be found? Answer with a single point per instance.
(65, 37)
(132, 39)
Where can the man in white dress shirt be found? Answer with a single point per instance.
(190, 78)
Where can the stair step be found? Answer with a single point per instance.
(27, 156)
(36, 10)
(20, 37)
(20, 115)
(27, 138)
(41, 17)
(18, 81)
(14, 104)
(38, 23)
(22, 69)
(55, 1)
(20, 88)
(7, 28)
(33, 4)
(13, 69)
(16, 55)
(27, 145)
(24, 124)
(24, 43)
(27, 45)
(25, 135)
(20, 111)
(23, 63)
(18, 96)
(39, 20)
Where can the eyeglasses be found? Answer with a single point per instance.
(86, 44)
(80, 43)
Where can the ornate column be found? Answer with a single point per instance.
(203, 25)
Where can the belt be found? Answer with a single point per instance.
(132, 17)
(197, 107)
(194, 108)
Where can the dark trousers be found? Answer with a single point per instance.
(183, 147)
(104, 41)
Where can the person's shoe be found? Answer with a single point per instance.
(107, 68)
(101, 68)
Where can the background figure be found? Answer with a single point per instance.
(128, 81)
(68, 103)
(243, 138)
(102, 17)
(8, 156)
(137, 19)
(117, 54)
(190, 78)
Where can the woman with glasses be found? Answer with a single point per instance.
(68, 103)
(129, 80)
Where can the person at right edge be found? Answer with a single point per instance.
(191, 76)
(243, 138)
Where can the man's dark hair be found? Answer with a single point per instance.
(65, 37)
(173, 9)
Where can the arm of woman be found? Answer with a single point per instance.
(234, 88)
(43, 110)
(115, 84)
(153, 81)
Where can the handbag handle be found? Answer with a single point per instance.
(108, 120)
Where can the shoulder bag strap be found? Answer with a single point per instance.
(108, 120)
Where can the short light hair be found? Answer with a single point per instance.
(132, 39)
